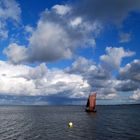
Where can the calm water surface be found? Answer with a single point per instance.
(50, 123)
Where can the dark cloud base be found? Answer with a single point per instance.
(39, 100)
(52, 100)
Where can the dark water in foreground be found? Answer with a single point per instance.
(50, 123)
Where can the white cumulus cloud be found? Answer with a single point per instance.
(136, 95)
(9, 9)
(16, 53)
(113, 57)
(61, 9)
(33, 81)
(57, 36)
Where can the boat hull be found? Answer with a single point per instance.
(87, 110)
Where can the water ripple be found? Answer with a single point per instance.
(42, 122)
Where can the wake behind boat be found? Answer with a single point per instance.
(91, 102)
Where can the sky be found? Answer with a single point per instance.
(59, 51)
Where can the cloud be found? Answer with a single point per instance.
(71, 83)
(106, 11)
(39, 100)
(102, 81)
(15, 53)
(38, 72)
(64, 28)
(129, 77)
(50, 42)
(96, 76)
(28, 29)
(25, 80)
(124, 37)
(77, 21)
(126, 85)
(87, 68)
(11, 83)
(9, 11)
(61, 9)
(59, 32)
(114, 56)
(57, 35)
(136, 95)
(109, 96)
(131, 71)
(81, 65)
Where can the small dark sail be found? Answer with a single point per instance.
(91, 103)
(87, 102)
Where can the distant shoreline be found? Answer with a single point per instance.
(64, 105)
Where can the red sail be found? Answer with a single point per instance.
(92, 101)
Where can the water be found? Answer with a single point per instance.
(50, 123)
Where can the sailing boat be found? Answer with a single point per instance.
(91, 102)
